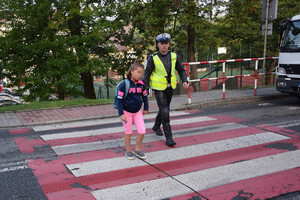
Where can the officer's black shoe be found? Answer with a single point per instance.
(170, 142)
(158, 131)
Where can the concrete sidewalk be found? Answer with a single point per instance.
(211, 98)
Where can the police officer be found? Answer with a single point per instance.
(160, 75)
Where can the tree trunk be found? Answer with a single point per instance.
(269, 70)
(75, 26)
(60, 90)
(191, 43)
(88, 85)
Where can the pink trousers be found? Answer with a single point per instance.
(137, 119)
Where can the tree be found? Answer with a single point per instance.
(32, 53)
(191, 8)
(241, 27)
(199, 18)
(182, 19)
(56, 46)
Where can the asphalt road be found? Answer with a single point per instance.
(18, 180)
(284, 113)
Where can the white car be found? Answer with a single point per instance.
(7, 101)
(10, 96)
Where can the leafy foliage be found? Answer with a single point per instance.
(58, 46)
(53, 47)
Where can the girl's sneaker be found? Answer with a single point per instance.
(139, 154)
(129, 155)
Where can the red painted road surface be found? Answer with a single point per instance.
(59, 183)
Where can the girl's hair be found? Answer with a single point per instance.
(134, 67)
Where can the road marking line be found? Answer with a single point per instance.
(265, 104)
(13, 166)
(106, 165)
(286, 124)
(91, 146)
(96, 122)
(169, 187)
(117, 129)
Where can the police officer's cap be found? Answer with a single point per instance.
(164, 37)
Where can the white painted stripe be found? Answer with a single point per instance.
(117, 129)
(13, 166)
(96, 122)
(231, 60)
(169, 187)
(212, 78)
(205, 79)
(91, 146)
(286, 124)
(294, 108)
(290, 125)
(265, 104)
(106, 165)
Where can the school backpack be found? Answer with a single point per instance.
(127, 85)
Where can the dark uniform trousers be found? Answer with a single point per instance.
(163, 99)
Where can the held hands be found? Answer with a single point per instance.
(148, 91)
(123, 118)
(145, 112)
(185, 85)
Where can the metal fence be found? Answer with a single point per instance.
(223, 78)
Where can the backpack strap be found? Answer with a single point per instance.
(127, 86)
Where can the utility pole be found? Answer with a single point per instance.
(265, 41)
(210, 49)
(269, 13)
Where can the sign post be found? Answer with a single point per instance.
(269, 12)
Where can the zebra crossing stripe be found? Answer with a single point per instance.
(117, 129)
(261, 187)
(91, 146)
(106, 165)
(219, 119)
(96, 122)
(147, 172)
(199, 180)
(212, 152)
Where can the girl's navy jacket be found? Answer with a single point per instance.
(137, 94)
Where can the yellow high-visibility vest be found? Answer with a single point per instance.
(158, 79)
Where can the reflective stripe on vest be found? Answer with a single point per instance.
(158, 79)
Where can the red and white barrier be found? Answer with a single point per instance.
(224, 77)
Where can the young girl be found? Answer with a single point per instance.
(129, 109)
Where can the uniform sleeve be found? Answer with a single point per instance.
(149, 69)
(180, 69)
(120, 98)
(145, 99)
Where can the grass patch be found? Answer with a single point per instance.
(55, 104)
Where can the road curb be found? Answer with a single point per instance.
(207, 104)
(231, 101)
